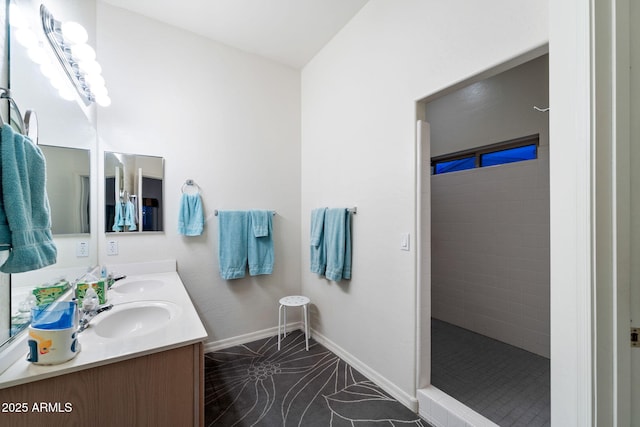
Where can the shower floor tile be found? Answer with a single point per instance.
(505, 384)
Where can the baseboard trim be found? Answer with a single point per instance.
(442, 410)
(211, 346)
(407, 400)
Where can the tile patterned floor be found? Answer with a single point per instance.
(257, 385)
(506, 384)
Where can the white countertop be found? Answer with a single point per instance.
(184, 328)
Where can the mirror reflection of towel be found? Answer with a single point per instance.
(130, 215)
(118, 221)
(125, 216)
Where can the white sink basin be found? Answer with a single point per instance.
(134, 318)
(137, 286)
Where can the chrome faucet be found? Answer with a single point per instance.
(86, 314)
(111, 279)
(90, 308)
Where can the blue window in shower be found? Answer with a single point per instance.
(510, 155)
(516, 150)
(455, 165)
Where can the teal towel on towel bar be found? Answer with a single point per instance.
(318, 256)
(260, 242)
(260, 222)
(233, 227)
(245, 238)
(25, 221)
(337, 238)
(191, 216)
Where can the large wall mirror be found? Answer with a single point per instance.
(66, 136)
(134, 196)
(68, 188)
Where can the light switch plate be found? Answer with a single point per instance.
(404, 242)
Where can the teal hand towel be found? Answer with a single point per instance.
(233, 227)
(260, 242)
(191, 215)
(25, 205)
(318, 256)
(337, 237)
(260, 222)
(118, 220)
(130, 215)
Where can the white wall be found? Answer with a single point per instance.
(358, 148)
(492, 110)
(224, 118)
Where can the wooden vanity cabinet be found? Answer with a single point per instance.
(160, 389)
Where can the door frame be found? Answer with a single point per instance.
(423, 248)
(610, 131)
(589, 210)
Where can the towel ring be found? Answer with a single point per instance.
(19, 122)
(31, 125)
(190, 183)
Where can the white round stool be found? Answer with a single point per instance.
(293, 301)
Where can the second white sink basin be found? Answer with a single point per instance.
(137, 286)
(134, 318)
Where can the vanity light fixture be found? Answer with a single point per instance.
(69, 43)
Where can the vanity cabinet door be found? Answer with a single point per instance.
(161, 389)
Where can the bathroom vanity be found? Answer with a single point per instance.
(141, 363)
(160, 389)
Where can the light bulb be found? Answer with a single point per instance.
(26, 37)
(47, 69)
(37, 55)
(74, 33)
(16, 17)
(67, 93)
(57, 81)
(83, 52)
(94, 80)
(103, 101)
(90, 67)
(99, 91)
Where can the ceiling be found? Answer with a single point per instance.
(287, 31)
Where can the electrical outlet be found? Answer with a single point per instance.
(112, 247)
(82, 249)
